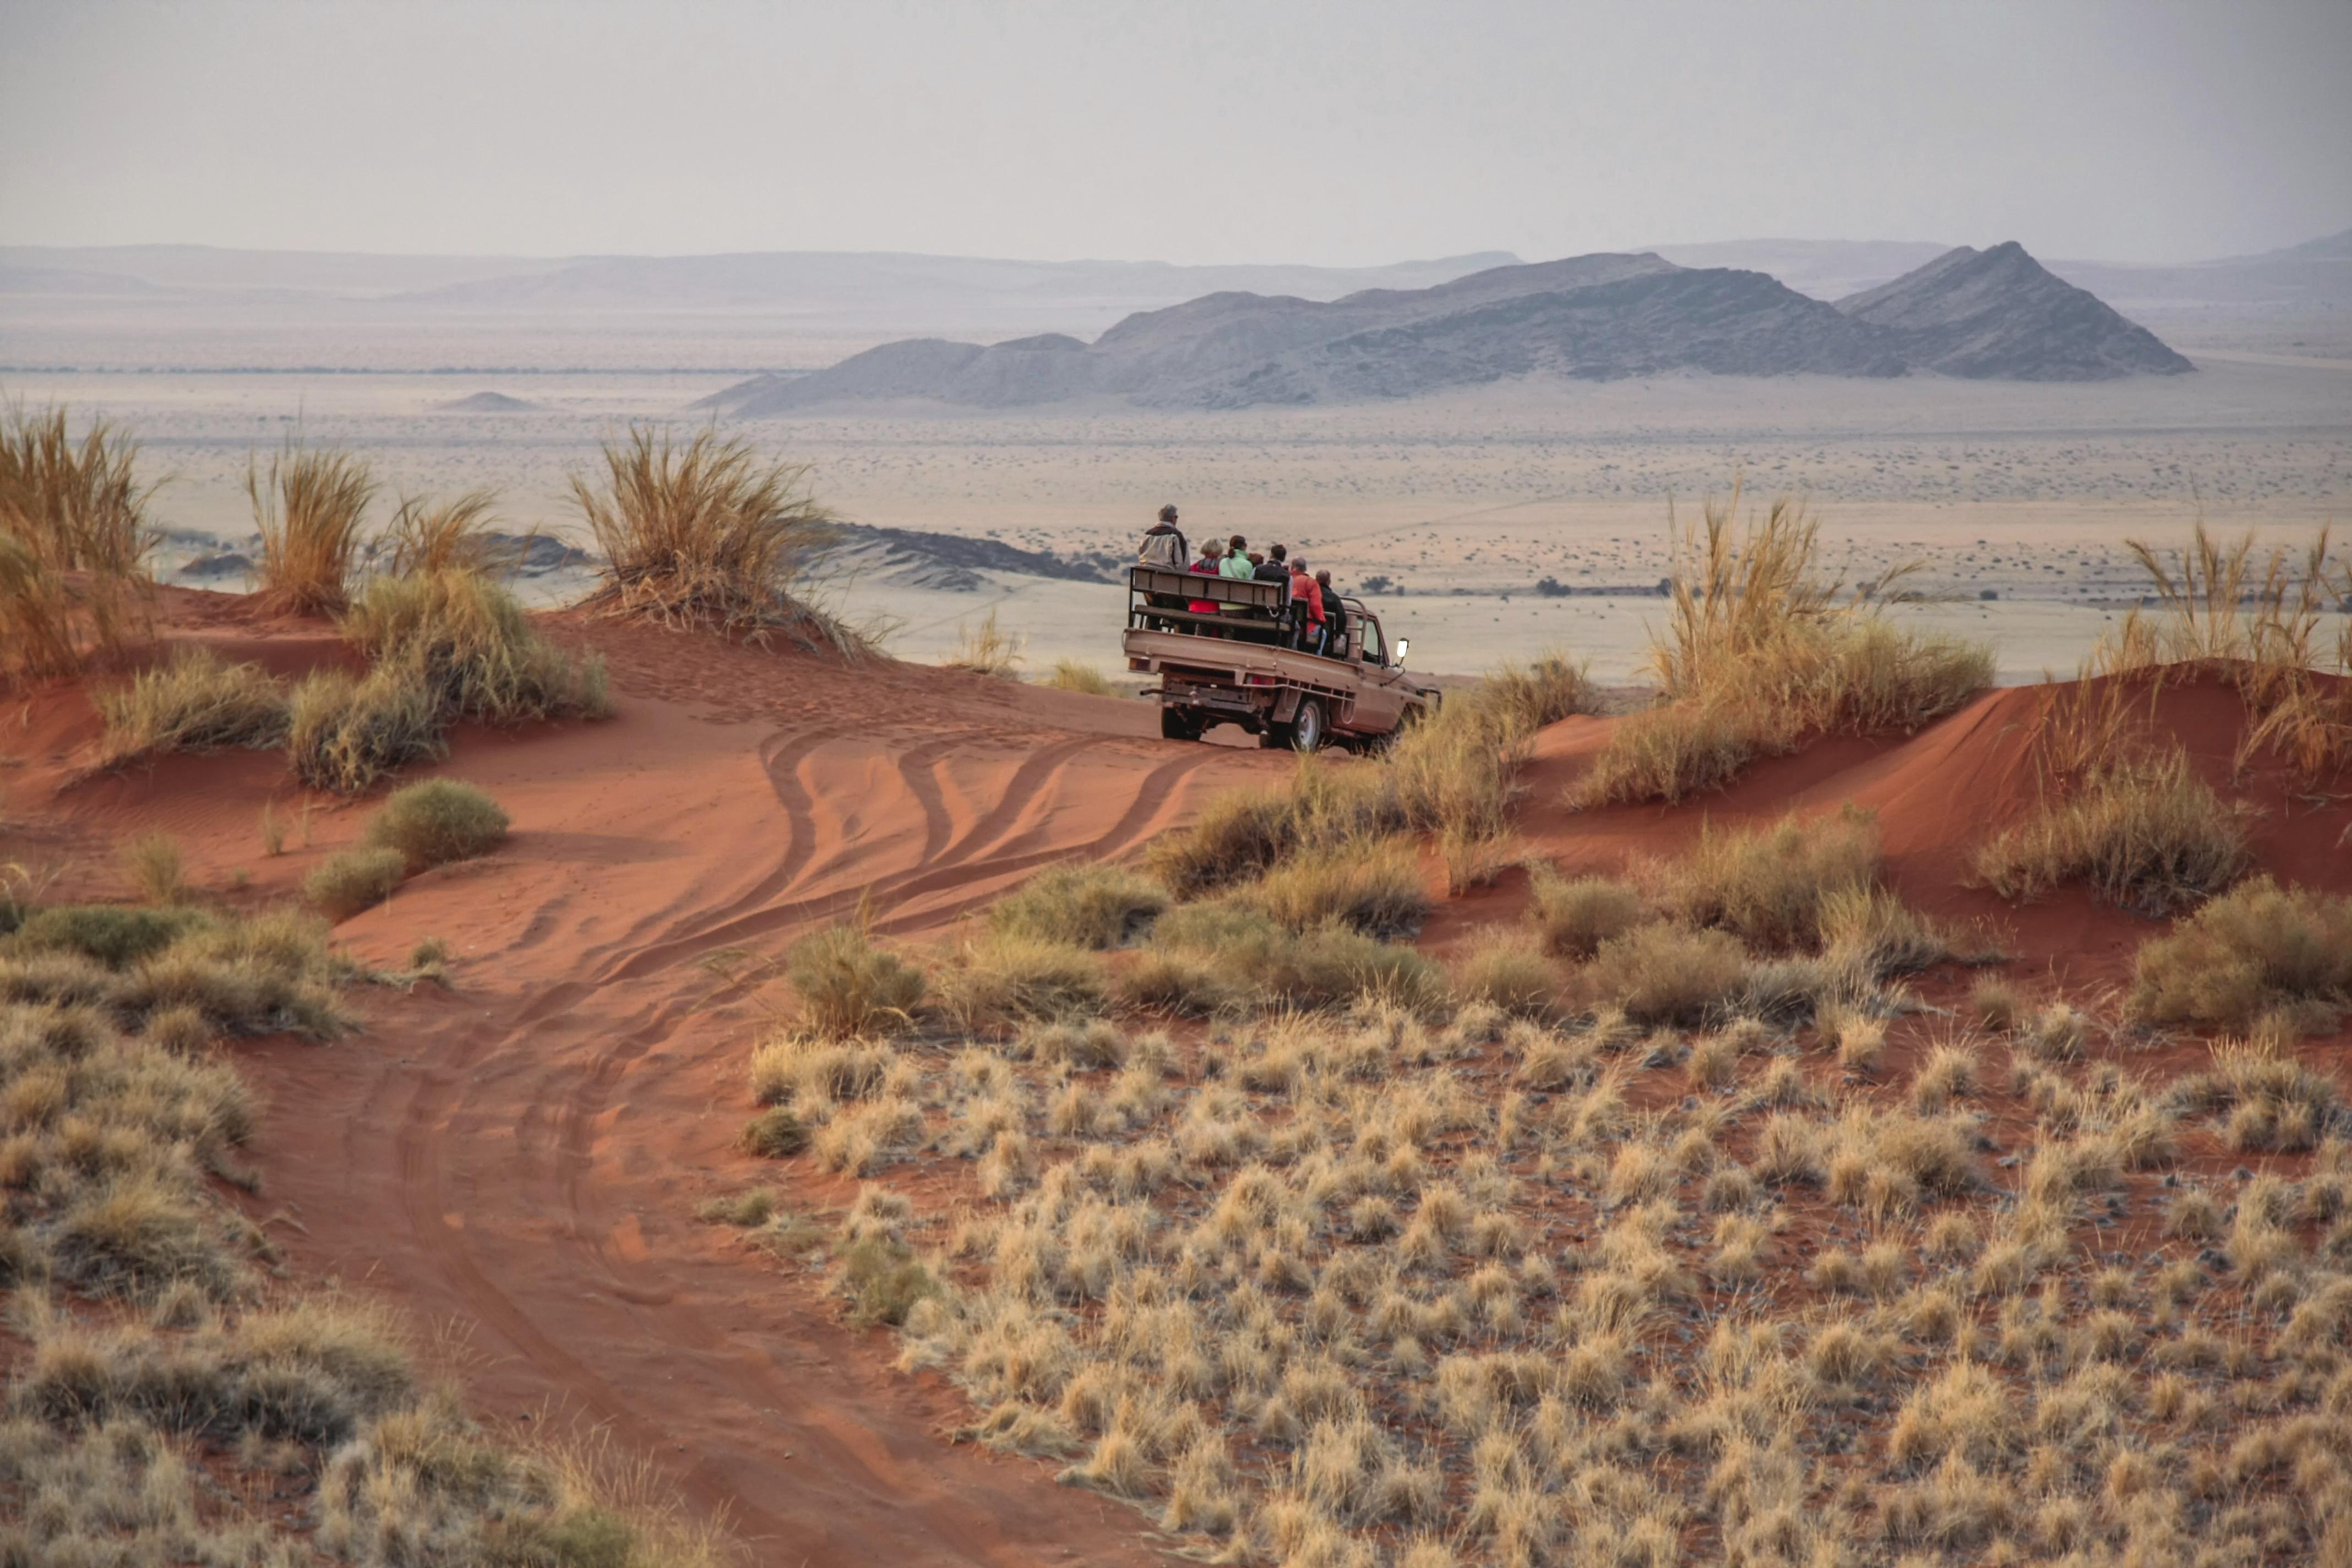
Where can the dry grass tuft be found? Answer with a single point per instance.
(1074, 675)
(2256, 949)
(708, 535)
(424, 539)
(985, 649)
(311, 510)
(197, 702)
(1666, 974)
(849, 987)
(1506, 968)
(1092, 906)
(2149, 835)
(1374, 888)
(1760, 651)
(1770, 886)
(1576, 915)
(157, 867)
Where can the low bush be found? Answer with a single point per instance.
(115, 936)
(1667, 974)
(1236, 837)
(1180, 981)
(2149, 835)
(1506, 968)
(436, 821)
(1526, 697)
(1374, 888)
(1879, 934)
(849, 987)
(197, 702)
(355, 880)
(1769, 885)
(985, 649)
(1206, 955)
(2257, 948)
(1093, 906)
(346, 734)
(1575, 916)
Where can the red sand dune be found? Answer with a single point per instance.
(520, 1158)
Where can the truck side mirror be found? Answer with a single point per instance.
(1404, 647)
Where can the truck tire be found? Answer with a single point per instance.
(1309, 729)
(1177, 724)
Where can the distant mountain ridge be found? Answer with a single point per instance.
(1994, 314)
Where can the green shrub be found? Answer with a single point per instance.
(1236, 836)
(346, 734)
(851, 987)
(776, 1133)
(436, 821)
(115, 936)
(1576, 916)
(1667, 974)
(1179, 981)
(197, 702)
(355, 880)
(1083, 906)
(883, 1280)
(2257, 948)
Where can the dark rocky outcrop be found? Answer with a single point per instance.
(1997, 313)
(2001, 315)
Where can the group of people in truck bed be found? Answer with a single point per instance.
(1316, 618)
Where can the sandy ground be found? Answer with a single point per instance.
(517, 1158)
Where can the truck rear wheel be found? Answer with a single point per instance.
(1307, 728)
(1178, 724)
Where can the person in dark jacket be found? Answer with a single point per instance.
(1335, 615)
(1274, 568)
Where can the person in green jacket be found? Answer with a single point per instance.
(1237, 562)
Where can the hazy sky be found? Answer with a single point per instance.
(1354, 131)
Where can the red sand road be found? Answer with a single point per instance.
(520, 1159)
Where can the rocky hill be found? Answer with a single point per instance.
(1996, 314)
(2001, 315)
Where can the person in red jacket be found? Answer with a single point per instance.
(1308, 596)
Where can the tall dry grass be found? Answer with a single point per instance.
(74, 541)
(310, 509)
(425, 536)
(1760, 651)
(708, 534)
(2264, 617)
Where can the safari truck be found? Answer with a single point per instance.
(1235, 665)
